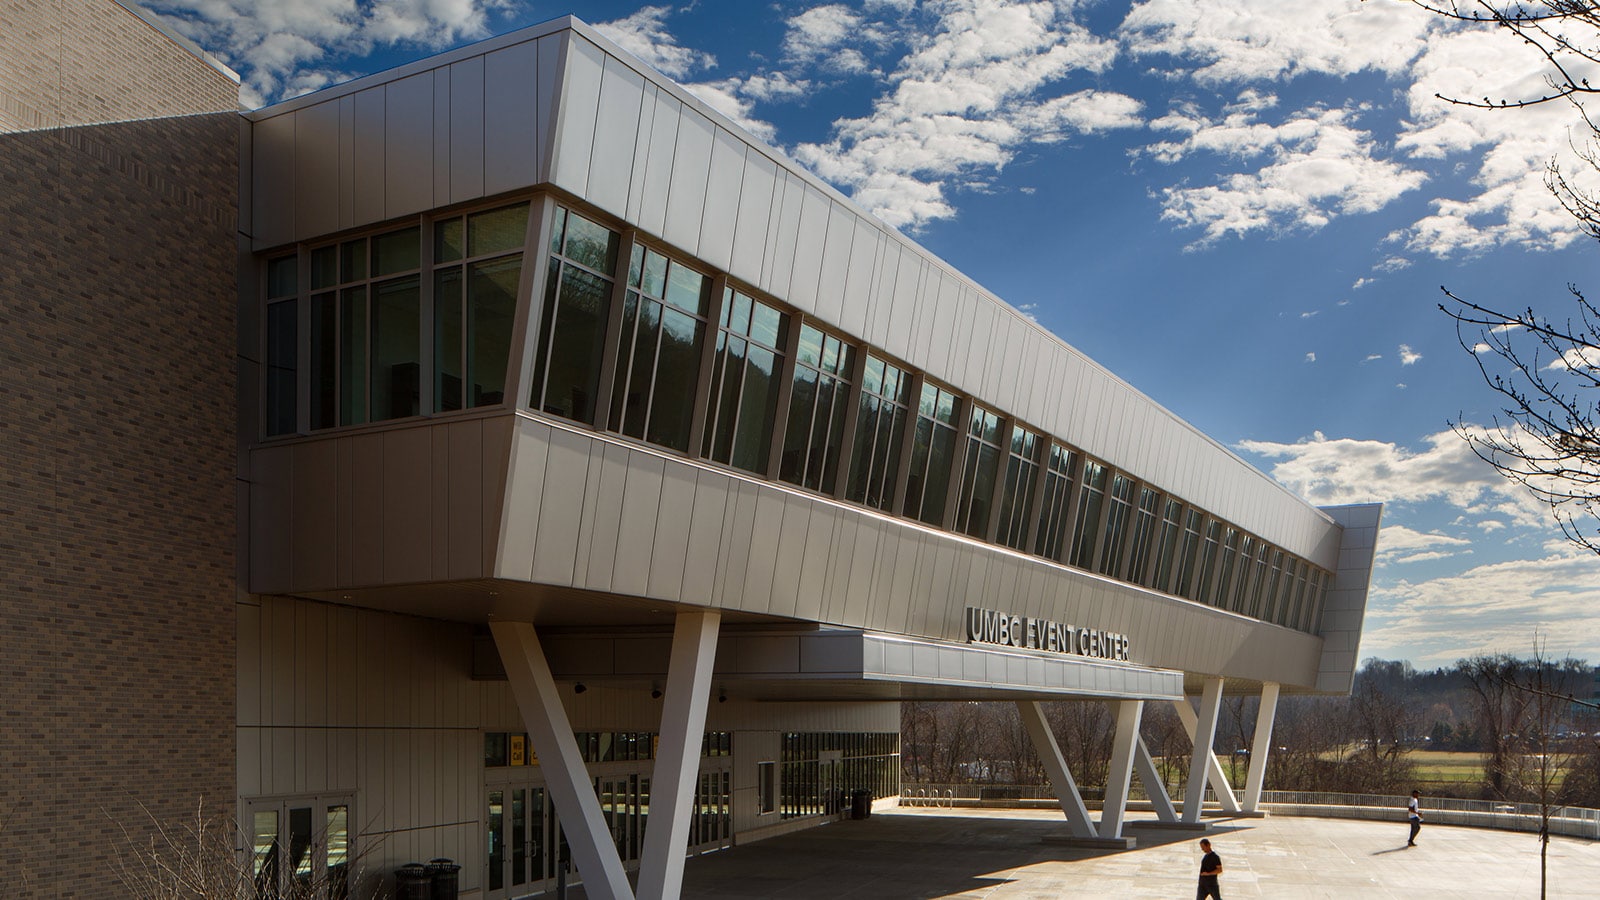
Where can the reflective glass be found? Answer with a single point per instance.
(491, 306)
(282, 351)
(282, 276)
(396, 351)
(498, 230)
(324, 267)
(449, 241)
(397, 251)
(591, 244)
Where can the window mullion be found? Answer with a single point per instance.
(613, 337)
(1035, 500)
(852, 420)
(708, 349)
(902, 475)
(531, 291)
(997, 494)
(780, 416)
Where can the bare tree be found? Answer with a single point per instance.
(1083, 728)
(1381, 723)
(1544, 368)
(1532, 702)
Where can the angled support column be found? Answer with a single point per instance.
(1260, 747)
(1203, 732)
(566, 776)
(1120, 773)
(1150, 777)
(1055, 765)
(683, 725)
(1216, 777)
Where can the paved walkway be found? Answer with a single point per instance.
(928, 853)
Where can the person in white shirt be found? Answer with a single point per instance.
(1414, 817)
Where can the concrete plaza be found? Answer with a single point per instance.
(928, 853)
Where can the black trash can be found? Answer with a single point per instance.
(411, 882)
(445, 876)
(860, 804)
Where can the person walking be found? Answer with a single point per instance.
(1210, 868)
(1414, 816)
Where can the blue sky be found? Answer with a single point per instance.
(1245, 208)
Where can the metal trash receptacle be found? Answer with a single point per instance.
(411, 882)
(860, 804)
(445, 877)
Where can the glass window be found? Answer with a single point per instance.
(473, 306)
(340, 330)
(1022, 472)
(396, 348)
(1206, 591)
(1229, 550)
(1054, 504)
(981, 465)
(814, 437)
(932, 448)
(1269, 598)
(1119, 510)
(658, 356)
(282, 350)
(1141, 543)
(1167, 545)
(1086, 528)
(880, 428)
(1297, 615)
(1258, 579)
(572, 331)
(1244, 570)
(744, 382)
(1188, 554)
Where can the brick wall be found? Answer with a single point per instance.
(117, 441)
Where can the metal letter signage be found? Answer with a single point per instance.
(988, 626)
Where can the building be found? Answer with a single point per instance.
(585, 454)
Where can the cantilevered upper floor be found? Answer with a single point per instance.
(530, 331)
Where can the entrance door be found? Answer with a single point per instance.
(520, 841)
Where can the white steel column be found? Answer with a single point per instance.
(1217, 778)
(1204, 732)
(1150, 777)
(683, 725)
(1120, 773)
(1261, 747)
(565, 774)
(1055, 765)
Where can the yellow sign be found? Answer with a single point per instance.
(519, 750)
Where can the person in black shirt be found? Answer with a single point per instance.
(1210, 868)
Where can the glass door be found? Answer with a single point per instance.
(519, 842)
(300, 847)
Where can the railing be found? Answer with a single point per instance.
(1571, 821)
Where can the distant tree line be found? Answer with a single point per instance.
(1532, 720)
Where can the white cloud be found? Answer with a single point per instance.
(832, 36)
(1576, 358)
(1407, 355)
(1508, 203)
(278, 48)
(645, 35)
(1311, 357)
(1361, 283)
(1372, 356)
(1229, 41)
(1481, 347)
(1490, 608)
(971, 91)
(1399, 544)
(1319, 166)
(1393, 264)
(1310, 315)
(1332, 471)
(1491, 525)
